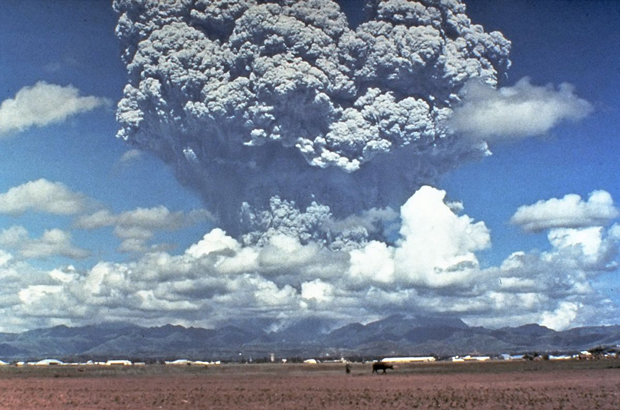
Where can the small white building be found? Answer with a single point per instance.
(48, 362)
(561, 357)
(118, 363)
(469, 358)
(3, 363)
(477, 358)
(205, 363)
(179, 362)
(413, 359)
(310, 361)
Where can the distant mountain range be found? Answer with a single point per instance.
(393, 336)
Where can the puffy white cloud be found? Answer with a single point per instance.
(588, 239)
(523, 110)
(317, 290)
(138, 226)
(562, 317)
(5, 257)
(213, 242)
(373, 264)
(593, 248)
(21, 304)
(567, 212)
(35, 293)
(13, 236)
(135, 245)
(54, 242)
(66, 275)
(43, 104)
(437, 246)
(43, 196)
(557, 284)
(96, 220)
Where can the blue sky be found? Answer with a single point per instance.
(552, 42)
(72, 43)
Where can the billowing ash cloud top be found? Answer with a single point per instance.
(276, 107)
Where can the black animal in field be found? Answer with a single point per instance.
(381, 366)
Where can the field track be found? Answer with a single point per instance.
(517, 385)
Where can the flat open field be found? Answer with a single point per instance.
(514, 385)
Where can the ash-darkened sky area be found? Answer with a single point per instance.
(202, 162)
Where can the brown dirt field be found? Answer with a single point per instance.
(523, 385)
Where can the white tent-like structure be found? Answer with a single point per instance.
(48, 362)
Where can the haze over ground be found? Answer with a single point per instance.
(281, 165)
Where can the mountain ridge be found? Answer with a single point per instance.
(392, 336)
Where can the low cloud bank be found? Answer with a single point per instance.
(430, 268)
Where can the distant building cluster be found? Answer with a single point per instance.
(583, 355)
(596, 353)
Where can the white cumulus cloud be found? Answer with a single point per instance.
(138, 226)
(437, 246)
(523, 110)
(53, 242)
(43, 196)
(561, 317)
(43, 104)
(430, 268)
(571, 211)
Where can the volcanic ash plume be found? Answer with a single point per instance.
(278, 111)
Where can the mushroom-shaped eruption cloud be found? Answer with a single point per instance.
(270, 108)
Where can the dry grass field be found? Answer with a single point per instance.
(499, 385)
